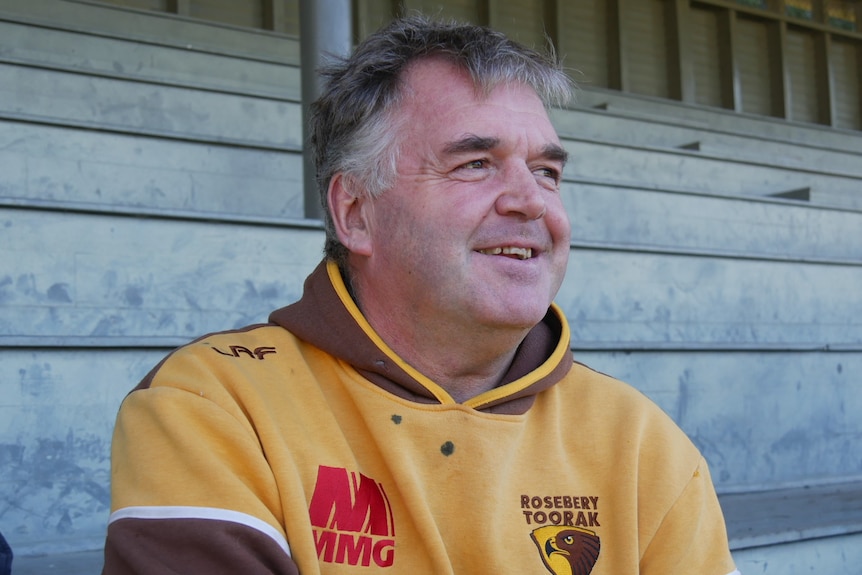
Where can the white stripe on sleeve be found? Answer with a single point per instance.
(211, 513)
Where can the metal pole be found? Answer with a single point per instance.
(325, 27)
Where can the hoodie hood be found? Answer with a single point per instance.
(328, 318)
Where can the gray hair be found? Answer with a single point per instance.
(353, 125)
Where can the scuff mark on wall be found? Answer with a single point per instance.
(54, 485)
(683, 396)
(59, 292)
(37, 380)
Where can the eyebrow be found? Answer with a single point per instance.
(555, 152)
(471, 143)
(474, 143)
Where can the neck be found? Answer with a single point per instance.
(464, 360)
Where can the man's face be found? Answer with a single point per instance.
(473, 230)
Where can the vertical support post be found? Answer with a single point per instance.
(680, 69)
(180, 7)
(781, 105)
(486, 12)
(858, 13)
(325, 28)
(617, 66)
(273, 15)
(818, 12)
(370, 15)
(551, 20)
(826, 97)
(731, 84)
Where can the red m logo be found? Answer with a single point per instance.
(353, 517)
(345, 501)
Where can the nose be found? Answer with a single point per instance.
(521, 194)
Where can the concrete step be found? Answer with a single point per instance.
(79, 563)
(761, 518)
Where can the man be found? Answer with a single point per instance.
(418, 410)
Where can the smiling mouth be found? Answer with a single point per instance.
(509, 251)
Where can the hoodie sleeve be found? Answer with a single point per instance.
(692, 537)
(191, 488)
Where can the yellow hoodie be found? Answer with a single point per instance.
(306, 445)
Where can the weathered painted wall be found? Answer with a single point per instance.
(108, 297)
(150, 192)
(108, 280)
(740, 317)
(56, 417)
(761, 419)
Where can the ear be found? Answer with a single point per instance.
(352, 213)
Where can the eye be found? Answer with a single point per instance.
(473, 171)
(548, 172)
(475, 165)
(568, 539)
(548, 177)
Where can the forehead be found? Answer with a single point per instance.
(440, 97)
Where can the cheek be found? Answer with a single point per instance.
(558, 223)
(409, 237)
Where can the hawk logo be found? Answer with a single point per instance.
(567, 550)
(352, 519)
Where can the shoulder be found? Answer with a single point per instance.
(620, 412)
(237, 372)
(254, 341)
(220, 354)
(594, 386)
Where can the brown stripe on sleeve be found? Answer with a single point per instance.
(192, 546)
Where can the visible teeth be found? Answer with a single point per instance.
(520, 253)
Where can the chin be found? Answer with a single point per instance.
(519, 308)
(519, 318)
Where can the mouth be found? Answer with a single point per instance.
(509, 251)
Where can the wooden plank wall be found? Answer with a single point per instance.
(151, 193)
(740, 319)
(738, 313)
